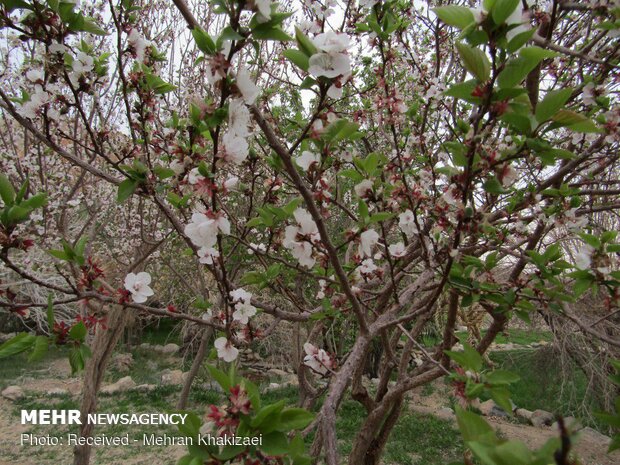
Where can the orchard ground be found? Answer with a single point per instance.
(426, 433)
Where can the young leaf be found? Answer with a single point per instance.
(552, 102)
(502, 9)
(475, 61)
(6, 190)
(78, 332)
(298, 58)
(126, 189)
(16, 345)
(203, 41)
(455, 15)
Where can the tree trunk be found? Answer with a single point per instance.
(196, 364)
(103, 346)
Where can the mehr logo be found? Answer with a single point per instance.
(51, 417)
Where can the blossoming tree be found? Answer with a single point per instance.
(340, 165)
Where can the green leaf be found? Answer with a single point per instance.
(222, 378)
(304, 43)
(381, 216)
(230, 34)
(473, 427)
(475, 61)
(502, 377)
(76, 359)
(275, 443)
(520, 40)
(22, 191)
(60, 254)
(16, 345)
(126, 189)
(78, 332)
(39, 349)
(158, 85)
(294, 418)
(454, 15)
(493, 186)
(164, 173)
(267, 31)
(502, 9)
(34, 202)
(469, 359)
(203, 41)
(6, 190)
(267, 417)
(298, 58)
(90, 26)
(50, 311)
(552, 102)
(341, 129)
(11, 5)
(574, 121)
(191, 426)
(516, 69)
(18, 214)
(464, 91)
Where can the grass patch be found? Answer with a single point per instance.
(541, 385)
(416, 439)
(18, 366)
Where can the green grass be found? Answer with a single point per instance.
(17, 366)
(514, 336)
(416, 439)
(541, 385)
(163, 332)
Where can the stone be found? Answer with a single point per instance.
(487, 407)
(13, 393)
(277, 372)
(57, 392)
(524, 414)
(593, 435)
(172, 377)
(170, 348)
(541, 418)
(272, 387)
(122, 362)
(145, 387)
(145, 346)
(122, 385)
(446, 411)
(570, 422)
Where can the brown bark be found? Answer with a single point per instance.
(103, 346)
(207, 332)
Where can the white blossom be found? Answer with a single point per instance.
(368, 266)
(397, 250)
(231, 183)
(406, 223)
(317, 359)
(246, 86)
(264, 8)
(331, 42)
(203, 230)
(139, 44)
(363, 188)
(583, 258)
(307, 159)
(138, 286)
(225, 350)
(330, 65)
(207, 255)
(35, 75)
(368, 239)
(301, 248)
